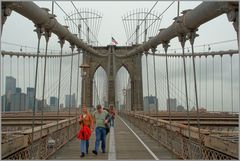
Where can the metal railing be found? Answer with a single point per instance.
(17, 145)
(210, 145)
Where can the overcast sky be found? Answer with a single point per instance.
(19, 30)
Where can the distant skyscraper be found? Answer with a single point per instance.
(53, 103)
(10, 88)
(70, 100)
(41, 105)
(180, 108)
(10, 85)
(18, 90)
(3, 103)
(172, 104)
(18, 102)
(30, 97)
(150, 102)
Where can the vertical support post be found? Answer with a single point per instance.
(47, 35)
(213, 82)
(77, 99)
(192, 37)
(39, 31)
(72, 46)
(61, 42)
(182, 40)
(155, 81)
(165, 47)
(147, 83)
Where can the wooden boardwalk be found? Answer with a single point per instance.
(124, 145)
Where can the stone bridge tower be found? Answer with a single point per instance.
(111, 59)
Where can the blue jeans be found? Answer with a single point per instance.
(84, 146)
(111, 121)
(100, 136)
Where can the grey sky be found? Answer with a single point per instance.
(19, 30)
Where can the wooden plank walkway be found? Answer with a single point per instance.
(127, 146)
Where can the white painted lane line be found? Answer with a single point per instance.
(112, 151)
(149, 150)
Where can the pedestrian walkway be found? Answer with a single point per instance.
(71, 151)
(125, 141)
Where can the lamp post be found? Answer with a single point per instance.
(84, 72)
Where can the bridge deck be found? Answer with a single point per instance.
(124, 145)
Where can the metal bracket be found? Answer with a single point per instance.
(182, 39)
(165, 46)
(192, 35)
(39, 30)
(61, 42)
(72, 46)
(47, 35)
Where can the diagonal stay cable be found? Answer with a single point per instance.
(85, 22)
(142, 21)
(67, 15)
(159, 17)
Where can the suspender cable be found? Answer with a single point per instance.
(231, 83)
(18, 72)
(155, 85)
(200, 81)
(61, 41)
(78, 66)
(175, 76)
(221, 84)
(182, 40)
(47, 36)
(39, 34)
(29, 71)
(147, 83)
(165, 46)
(19, 98)
(179, 64)
(24, 75)
(3, 82)
(206, 83)
(178, 8)
(10, 65)
(70, 92)
(52, 7)
(213, 82)
(188, 62)
(193, 35)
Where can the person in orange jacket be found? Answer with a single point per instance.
(86, 128)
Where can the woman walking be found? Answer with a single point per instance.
(112, 115)
(86, 128)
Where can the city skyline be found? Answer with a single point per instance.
(15, 100)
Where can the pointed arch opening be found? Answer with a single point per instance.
(100, 87)
(123, 90)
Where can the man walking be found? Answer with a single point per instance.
(100, 117)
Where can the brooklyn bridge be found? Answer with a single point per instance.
(173, 80)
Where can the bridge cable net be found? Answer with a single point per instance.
(39, 93)
(206, 89)
(85, 22)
